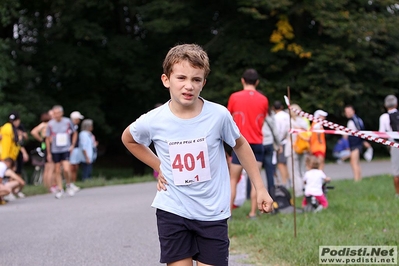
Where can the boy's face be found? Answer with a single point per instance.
(185, 83)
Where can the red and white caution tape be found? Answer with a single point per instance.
(341, 128)
(385, 135)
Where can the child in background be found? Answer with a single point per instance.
(341, 150)
(314, 179)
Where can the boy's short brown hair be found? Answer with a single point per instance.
(193, 53)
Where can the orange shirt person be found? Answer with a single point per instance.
(318, 140)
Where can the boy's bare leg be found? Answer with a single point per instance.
(183, 262)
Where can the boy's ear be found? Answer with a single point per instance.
(204, 83)
(165, 81)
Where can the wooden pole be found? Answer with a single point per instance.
(292, 164)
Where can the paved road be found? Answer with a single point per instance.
(112, 225)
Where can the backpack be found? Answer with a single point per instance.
(281, 196)
(302, 142)
(394, 120)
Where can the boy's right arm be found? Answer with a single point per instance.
(140, 151)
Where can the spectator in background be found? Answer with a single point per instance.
(355, 143)
(341, 150)
(271, 144)
(10, 182)
(249, 109)
(389, 122)
(318, 145)
(10, 145)
(39, 133)
(87, 148)
(60, 140)
(314, 179)
(283, 127)
(74, 160)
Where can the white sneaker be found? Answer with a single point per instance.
(70, 191)
(21, 195)
(59, 194)
(10, 197)
(319, 208)
(74, 187)
(54, 189)
(368, 154)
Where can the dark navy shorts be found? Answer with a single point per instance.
(259, 152)
(181, 238)
(58, 157)
(357, 147)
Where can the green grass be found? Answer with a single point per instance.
(363, 213)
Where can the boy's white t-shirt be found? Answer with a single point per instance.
(196, 146)
(314, 181)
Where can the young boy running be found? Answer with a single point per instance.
(193, 198)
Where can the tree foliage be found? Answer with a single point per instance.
(104, 58)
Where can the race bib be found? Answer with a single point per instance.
(190, 161)
(61, 139)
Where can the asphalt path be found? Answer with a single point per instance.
(112, 225)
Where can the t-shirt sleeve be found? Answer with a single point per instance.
(230, 131)
(140, 130)
(322, 175)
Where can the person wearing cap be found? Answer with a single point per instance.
(61, 138)
(318, 139)
(388, 122)
(76, 117)
(9, 143)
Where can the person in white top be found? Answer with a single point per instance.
(282, 119)
(193, 198)
(314, 179)
(385, 125)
